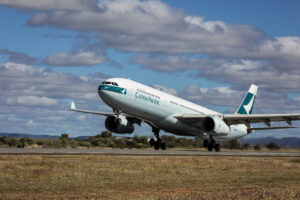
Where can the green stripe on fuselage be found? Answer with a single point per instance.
(113, 89)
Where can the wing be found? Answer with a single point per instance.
(73, 108)
(231, 119)
(131, 119)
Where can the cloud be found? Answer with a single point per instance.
(32, 101)
(143, 26)
(154, 27)
(38, 99)
(272, 75)
(18, 57)
(165, 89)
(82, 58)
(25, 80)
(71, 5)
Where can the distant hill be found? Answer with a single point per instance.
(24, 135)
(282, 142)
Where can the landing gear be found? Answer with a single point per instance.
(211, 145)
(205, 143)
(156, 142)
(217, 147)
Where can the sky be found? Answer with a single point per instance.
(205, 51)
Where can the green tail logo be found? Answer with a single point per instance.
(248, 102)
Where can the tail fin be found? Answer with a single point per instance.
(248, 102)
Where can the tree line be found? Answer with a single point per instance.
(107, 140)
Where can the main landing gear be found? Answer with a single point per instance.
(211, 144)
(156, 141)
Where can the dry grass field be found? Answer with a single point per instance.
(148, 177)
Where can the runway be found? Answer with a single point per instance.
(136, 152)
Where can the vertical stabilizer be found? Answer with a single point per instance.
(248, 102)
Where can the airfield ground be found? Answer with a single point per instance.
(148, 177)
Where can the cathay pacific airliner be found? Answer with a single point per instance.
(134, 103)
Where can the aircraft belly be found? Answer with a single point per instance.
(127, 104)
(173, 125)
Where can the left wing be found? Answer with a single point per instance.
(73, 108)
(131, 119)
(230, 119)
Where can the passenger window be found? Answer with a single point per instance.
(116, 84)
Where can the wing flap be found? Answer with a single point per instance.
(231, 119)
(260, 118)
(269, 128)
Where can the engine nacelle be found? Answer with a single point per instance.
(215, 126)
(119, 125)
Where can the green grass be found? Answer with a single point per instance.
(148, 177)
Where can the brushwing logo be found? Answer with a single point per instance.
(248, 107)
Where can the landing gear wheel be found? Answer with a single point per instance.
(156, 146)
(163, 146)
(205, 143)
(152, 142)
(217, 147)
(210, 147)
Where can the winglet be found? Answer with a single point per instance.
(73, 107)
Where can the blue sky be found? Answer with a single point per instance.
(208, 52)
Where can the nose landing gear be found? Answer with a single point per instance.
(156, 141)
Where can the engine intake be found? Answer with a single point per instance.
(118, 125)
(214, 126)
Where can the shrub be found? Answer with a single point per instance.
(246, 146)
(256, 147)
(272, 146)
(12, 142)
(234, 144)
(3, 140)
(106, 134)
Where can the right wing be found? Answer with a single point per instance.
(231, 119)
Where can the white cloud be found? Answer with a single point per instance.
(83, 58)
(31, 123)
(31, 101)
(165, 89)
(51, 4)
(143, 26)
(36, 100)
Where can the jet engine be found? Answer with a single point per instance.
(215, 126)
(119, 124)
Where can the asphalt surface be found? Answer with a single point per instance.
(135, 152)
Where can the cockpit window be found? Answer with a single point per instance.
(109, 83)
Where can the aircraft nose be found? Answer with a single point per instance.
(100, 91)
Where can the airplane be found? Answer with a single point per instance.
(134, 103)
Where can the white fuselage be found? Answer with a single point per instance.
(158, 108)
